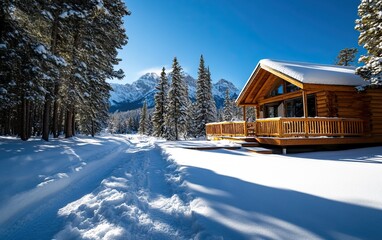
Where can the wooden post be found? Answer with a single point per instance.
(244, 114)
(305, 106)
(257, 112)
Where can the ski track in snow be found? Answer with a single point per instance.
(126, 191)
(135, 202)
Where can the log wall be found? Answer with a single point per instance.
(374, 96)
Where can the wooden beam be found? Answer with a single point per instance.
(283, 76)
(327, 87)
(244, 114)
(281, 97)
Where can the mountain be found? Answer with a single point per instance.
(126, 97)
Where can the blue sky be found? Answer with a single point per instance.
(233, 35)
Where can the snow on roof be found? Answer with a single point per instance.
(314, 73)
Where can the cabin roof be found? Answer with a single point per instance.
(314, 73)
(308, 76)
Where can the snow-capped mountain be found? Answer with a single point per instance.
(125, 97)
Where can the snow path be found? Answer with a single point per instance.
(78, 170)
(136, 202)
(102, 188)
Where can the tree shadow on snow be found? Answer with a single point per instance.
(241, 209)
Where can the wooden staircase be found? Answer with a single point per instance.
(253, 146)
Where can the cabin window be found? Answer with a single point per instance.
(295, 107)
(283, 87)
(312, 112)
(277, 90)
(273, 110)
(289, 87)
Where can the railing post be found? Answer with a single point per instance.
(280, 128)
(306, 127)
(341, 128)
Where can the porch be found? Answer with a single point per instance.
(284, 131)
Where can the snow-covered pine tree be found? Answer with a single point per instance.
(143, 120)
(185, 118)
(370, 27)
(27, 68)
(346, 56)
(206, 107)
(212, 110)
(227, 108)
(92, 58)
(160, 105)
(177, 100)
(193, 124)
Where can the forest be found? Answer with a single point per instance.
(55, 59)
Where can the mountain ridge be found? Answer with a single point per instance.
(130, 96)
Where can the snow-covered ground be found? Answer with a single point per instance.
(132, 187)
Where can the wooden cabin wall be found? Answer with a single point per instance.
(324, 104)
(375, 105)
(350, 105)
(340, 104)
(345, 104)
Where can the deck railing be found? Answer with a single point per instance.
(231, 129)
(289, 127)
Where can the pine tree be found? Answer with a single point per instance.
(143, 122)
(193, 124)
(206, 107)
(346, 56)
(212, 110)
(177, 100)
(370, 27)
(160, 105)
(227, 109)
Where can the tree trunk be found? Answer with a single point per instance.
(53, 43)
(73, 122)
(23, 120)
(45, 119)
(60, 120)
(69, 123)
(55, 130)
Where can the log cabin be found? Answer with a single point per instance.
(305, 104)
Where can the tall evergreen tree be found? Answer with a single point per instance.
(160, 105)
(206, 107)
(177, 100)
(227, 108)
(144, 121)
(212, 110)
(346, 56)
(193, 126)
(370, 27)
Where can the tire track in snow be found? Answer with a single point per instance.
(136, 202)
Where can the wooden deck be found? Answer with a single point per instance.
(294, 131)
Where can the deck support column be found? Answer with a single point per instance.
(244, 114)
(284, 150)
(305, 103)
(257, 112)
(305, 106)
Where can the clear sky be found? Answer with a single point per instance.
(233, 35)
